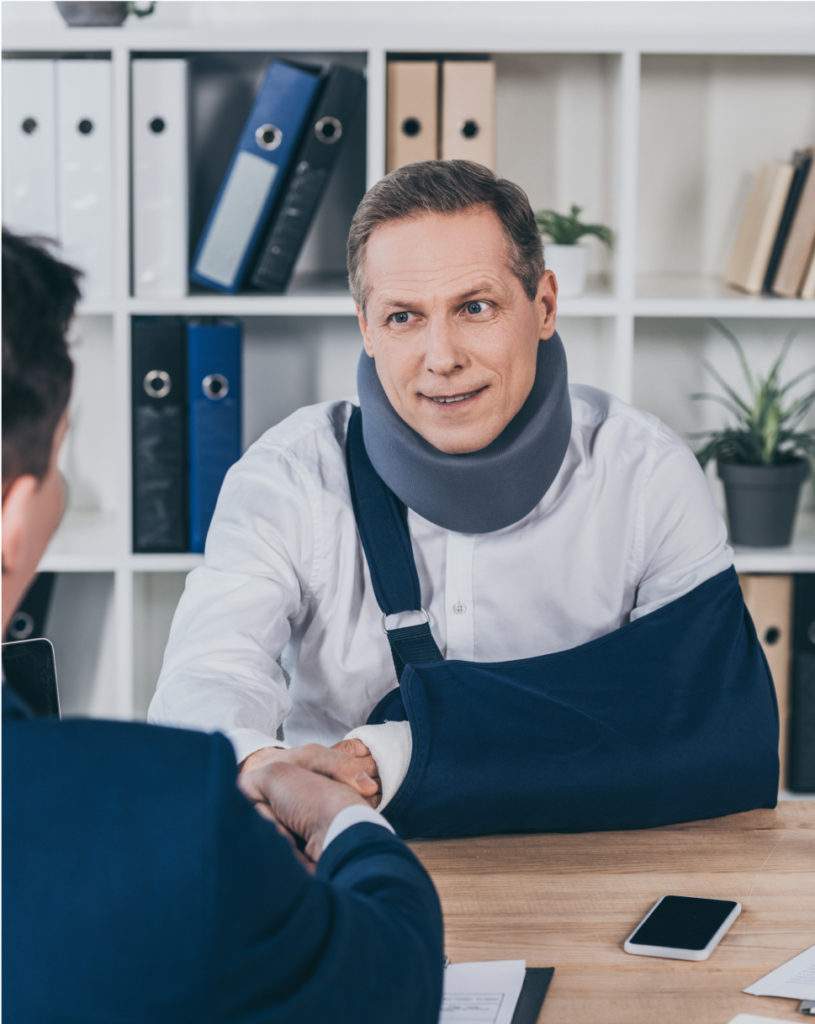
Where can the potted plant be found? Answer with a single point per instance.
(564, 255)
(96, 13)
(763, 457)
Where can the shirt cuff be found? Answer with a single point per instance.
(391, 746)
(247, 741)
(352, 815)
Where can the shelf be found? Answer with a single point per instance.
(309, 295)
(84, 542)
(798, 556)
(664, 295)
(183, 561)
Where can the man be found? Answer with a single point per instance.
(539, 517)
(139, 884)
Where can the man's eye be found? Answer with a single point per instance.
(473, 306)
(402, 316)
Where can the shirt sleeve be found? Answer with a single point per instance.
(681, 538)
(353, 815)
(221, 668)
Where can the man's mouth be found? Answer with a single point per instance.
(456, 398)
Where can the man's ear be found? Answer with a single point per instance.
(17, 510)
(363, 330)
(546, 304)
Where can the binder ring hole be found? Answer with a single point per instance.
(470, 129)
(29, 125)
(157, 125)
(157, 383)
(328, 130)
(772, 636)
(85, 126)
(411, 126)
(268, 136)
(22, 626)
(215, 386)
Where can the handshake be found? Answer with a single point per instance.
(303, 789)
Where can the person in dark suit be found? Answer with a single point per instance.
(139, 882)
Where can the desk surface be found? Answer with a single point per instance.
(569, 901)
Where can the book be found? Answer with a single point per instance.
(800, 241)
(801, 163)
(753, 245)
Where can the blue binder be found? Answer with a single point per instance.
(214, 396)
(255, 177)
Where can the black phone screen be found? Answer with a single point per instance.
(683, 922)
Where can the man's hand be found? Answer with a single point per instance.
(300, 801)
(348, 761)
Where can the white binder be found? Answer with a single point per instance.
(29, 147)
(85, 154)
(160, 178)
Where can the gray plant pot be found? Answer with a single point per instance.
(92, 14)
(762, 501)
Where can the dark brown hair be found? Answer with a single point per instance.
(446, 186)
(39, 297)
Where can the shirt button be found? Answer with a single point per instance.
(459, 608)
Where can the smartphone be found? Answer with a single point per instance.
(682, 928)
(30, 670)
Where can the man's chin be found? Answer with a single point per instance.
(457, 440)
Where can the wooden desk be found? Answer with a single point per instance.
(569, 901)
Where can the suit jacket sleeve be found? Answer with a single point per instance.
(359, 941)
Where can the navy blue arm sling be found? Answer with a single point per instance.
(670, 718)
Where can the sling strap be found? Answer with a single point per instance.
(382, 523)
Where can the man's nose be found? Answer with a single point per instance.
(443, 353)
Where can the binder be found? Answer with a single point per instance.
(468, 111)
(158, 397)
(413, 96)
(801, 163)
(160, 178)
(254, 179)
(214, 390)
(800, 241)
(84, 162)
(28, 621)
(340, 98)
(769, 601)
(30, 147)
(808, 284)
(753, 245)
(802, 736)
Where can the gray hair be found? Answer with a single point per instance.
(446, 186)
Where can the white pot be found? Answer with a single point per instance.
(569, 263)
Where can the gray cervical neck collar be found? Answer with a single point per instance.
(475, 492)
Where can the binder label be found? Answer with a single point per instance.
(236, 217)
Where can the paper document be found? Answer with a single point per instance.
(793, 980)
(482, 993)
(749, 1018)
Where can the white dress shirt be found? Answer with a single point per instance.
(278, 638)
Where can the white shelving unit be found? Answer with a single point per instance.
(652, 117)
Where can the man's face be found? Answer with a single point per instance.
(32, 510)
(447, 317)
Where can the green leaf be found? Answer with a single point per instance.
(734, 341)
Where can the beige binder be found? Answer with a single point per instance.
(468, 111)
(800, 241)
(808, 284)
(769, 601)
(759, 225)
(413, 119)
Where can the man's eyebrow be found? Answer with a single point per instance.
(479, 288)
